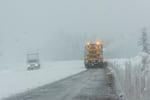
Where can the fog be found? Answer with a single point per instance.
(58, 29)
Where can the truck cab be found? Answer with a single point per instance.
(33, 61)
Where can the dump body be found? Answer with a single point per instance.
(93, 55)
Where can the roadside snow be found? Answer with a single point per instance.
(133, 75)
(20, 80)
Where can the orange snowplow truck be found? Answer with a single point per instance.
(93, 55)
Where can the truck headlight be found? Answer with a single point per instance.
(28, 65)
(36, 64)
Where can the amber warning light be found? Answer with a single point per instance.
(98, 43)
(88, 43)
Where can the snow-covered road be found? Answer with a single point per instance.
(88, 85)
(18, 79)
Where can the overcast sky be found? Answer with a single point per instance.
(45, 25)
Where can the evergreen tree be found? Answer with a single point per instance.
(143, 42)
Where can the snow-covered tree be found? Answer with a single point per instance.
(143, 42)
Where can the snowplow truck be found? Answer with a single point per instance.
(94, 55)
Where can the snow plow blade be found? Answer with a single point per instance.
(96, 65)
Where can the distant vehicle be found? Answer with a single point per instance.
(94, 55)
(33, 62)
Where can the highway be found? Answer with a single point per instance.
(92, 84)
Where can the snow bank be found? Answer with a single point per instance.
(20, 80)
(133, 75)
